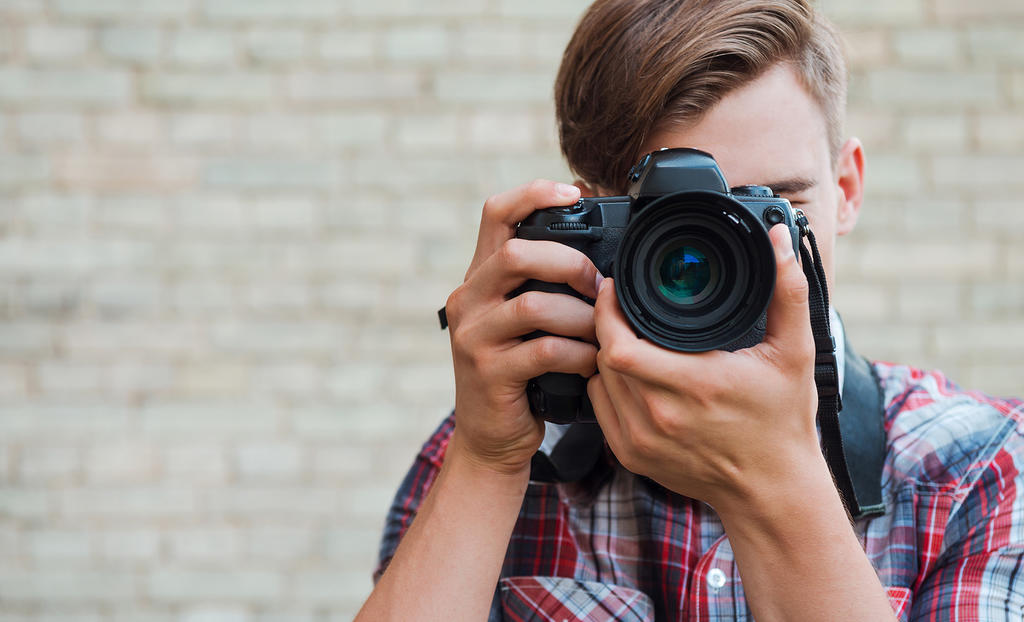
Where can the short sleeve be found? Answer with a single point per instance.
(411, 493)
(979, 575)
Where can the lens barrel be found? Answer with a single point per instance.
(695, 271)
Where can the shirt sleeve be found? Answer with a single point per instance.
(411, 492)
(979, 575)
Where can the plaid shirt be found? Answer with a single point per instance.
(950, 545)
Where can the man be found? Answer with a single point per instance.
(715, 502)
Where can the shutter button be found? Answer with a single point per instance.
(716, 578)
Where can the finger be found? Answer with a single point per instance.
(534, 357)
(543, 260)
(622, 351)
(502, 212)
(604, 411)
(558, 314)
(789, 324)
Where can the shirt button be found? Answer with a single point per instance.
(716, 578)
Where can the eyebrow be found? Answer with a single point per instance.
(793, 185)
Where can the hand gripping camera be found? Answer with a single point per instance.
(693, 265)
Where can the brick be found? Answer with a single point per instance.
(52, 299)
(295, 379)
(54, 586)
(210, 613)
(127, 503)
(351, 130)
(312, 11)
(202, 47)
(277, 133)
(346, 86)
(277, 298)
(378, 258)
(999, 217)
(173, 585)
(136, 44)
(59, 544)
(427, 133)
(875, 12)
(130, 545)
(45, 464)
(1000, 132)
(189, 88)
(327, 588)
(483, 42)
(209, 544)
(1001, 379)
(126, 336)
(402, 8)
(276, 45)
(279, 542)
(927, 260)
(129, 129)
(352, 542)
(104, 172)
(353, 295)
(996, 299)
(927, 47)
(56, 43)
(24, 171)
(199, 463)
(995, 44)
(497, 132)
(514, 87)
(566, 10)
(81, 86)
(69, 378)
(277, 337)
(37, 129)
(954, 11)
(208, 419)
(347, 45)
(19, 503)
(930, 301)
(120, 9)
(932, 89)
(288, 503)
(269, 461)
(983, 175)
(890, 174)
(13, 383)
(60, 422)
(133, 212)
(125, 462)
(866, 48)
(114, 297)
(269, 173)
(202, 129)
(416, 43)
(994, 338)
(936, 132)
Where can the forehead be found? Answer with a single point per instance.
(770, 129)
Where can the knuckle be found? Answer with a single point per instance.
(529, 305)
(616, 358)
(547, 349)
(538, 187)
(512, 252)
(453, 305)
(492, 207)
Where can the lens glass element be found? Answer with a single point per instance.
(686, 271)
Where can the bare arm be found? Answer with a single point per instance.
(448, 563)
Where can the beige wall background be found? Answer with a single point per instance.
(225, 227)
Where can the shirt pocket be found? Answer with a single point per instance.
(561, 599)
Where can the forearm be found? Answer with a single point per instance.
(448, 563)
(799, 558)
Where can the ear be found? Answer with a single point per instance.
(587, 190)
(850, 182)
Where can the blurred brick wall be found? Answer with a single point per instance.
(225, 226)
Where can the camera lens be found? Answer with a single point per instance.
(686, 273)
(695, 271)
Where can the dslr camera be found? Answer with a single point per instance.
(693, 264)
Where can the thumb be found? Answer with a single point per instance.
(789, 323)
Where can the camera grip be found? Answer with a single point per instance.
(555, 396)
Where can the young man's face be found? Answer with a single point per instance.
(771, 132)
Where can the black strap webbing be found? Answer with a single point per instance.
(826, 371)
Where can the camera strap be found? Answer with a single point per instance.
(826, 368)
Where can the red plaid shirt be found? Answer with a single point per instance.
(950, 545)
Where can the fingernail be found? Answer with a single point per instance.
(597, 282)
(567, 190)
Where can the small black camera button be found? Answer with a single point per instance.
(774, 215)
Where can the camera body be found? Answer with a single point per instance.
(693, 264)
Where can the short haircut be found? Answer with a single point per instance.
(634, 67)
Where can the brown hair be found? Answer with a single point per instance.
(636, 66)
